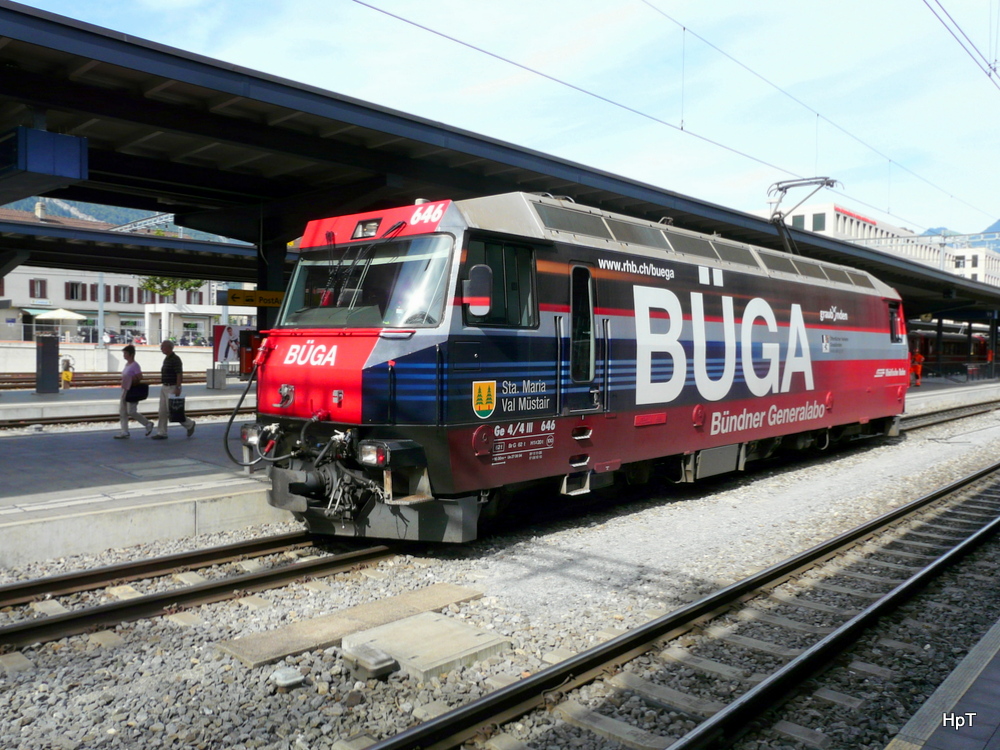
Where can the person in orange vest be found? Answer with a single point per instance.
(917, 365)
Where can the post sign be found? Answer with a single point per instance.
(254, 298)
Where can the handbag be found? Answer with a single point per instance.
(137, 392)
(175, 404)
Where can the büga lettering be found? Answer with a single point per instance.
(311, 354)
(777, 377)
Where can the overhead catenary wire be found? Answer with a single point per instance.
(819, 115)
(576, 88)
(682, 128)
(985, 65)
(994, 32)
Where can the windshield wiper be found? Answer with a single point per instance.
(341, 273)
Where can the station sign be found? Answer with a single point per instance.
(254, 298)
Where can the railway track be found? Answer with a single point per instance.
(101, 418)
(689, 668)
(86, 618)
(947, 415)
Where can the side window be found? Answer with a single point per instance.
(513, 301)
(581, 360)
(896, 327)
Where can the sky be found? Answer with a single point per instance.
(715, 100)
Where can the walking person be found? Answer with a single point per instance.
(171, 376)
(131, 375)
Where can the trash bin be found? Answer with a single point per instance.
(47, 374)
(215, 378)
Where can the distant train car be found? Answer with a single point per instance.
(957, 351)
(426, 356)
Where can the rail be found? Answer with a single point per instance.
(549, 686)
(22, 592)
(26, 380)
(75, 622)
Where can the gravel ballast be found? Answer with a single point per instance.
(555, 585)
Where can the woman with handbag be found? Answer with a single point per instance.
(133, 391)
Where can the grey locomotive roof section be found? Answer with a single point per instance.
(544, 217)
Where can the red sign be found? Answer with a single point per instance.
(853, 215)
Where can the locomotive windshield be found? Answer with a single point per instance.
(394, 284)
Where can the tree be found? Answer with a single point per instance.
(166, 286)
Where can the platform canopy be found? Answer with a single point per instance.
(251, 156)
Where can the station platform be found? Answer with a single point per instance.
(964, 712)
(937, 393)
(66, 492)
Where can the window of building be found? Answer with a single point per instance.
(146, 297)
(975, 277)
(76, 290)
(959, 261)
(195, 297)
(975, 261)
(1, 286)
(512, 302)
(124, 294)
(94, 296)
(38, 289)
(799, 222)
(819, 222)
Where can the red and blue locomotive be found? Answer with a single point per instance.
(426, 356)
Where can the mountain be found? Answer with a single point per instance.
(108, 214)
(939, 231)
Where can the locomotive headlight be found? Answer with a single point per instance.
(250, 434)
(366, 228)
(373, 453)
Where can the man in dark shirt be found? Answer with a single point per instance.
(171, 375)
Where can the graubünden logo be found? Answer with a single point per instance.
(834, 314)
(484, 397)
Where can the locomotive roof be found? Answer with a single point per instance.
(550, 218)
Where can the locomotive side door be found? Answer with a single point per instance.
(579, 377)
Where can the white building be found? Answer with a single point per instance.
(129, 312)
(973, 263)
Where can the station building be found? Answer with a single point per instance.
(955, 255)
(131, 314)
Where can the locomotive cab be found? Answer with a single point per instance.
(347, 438)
